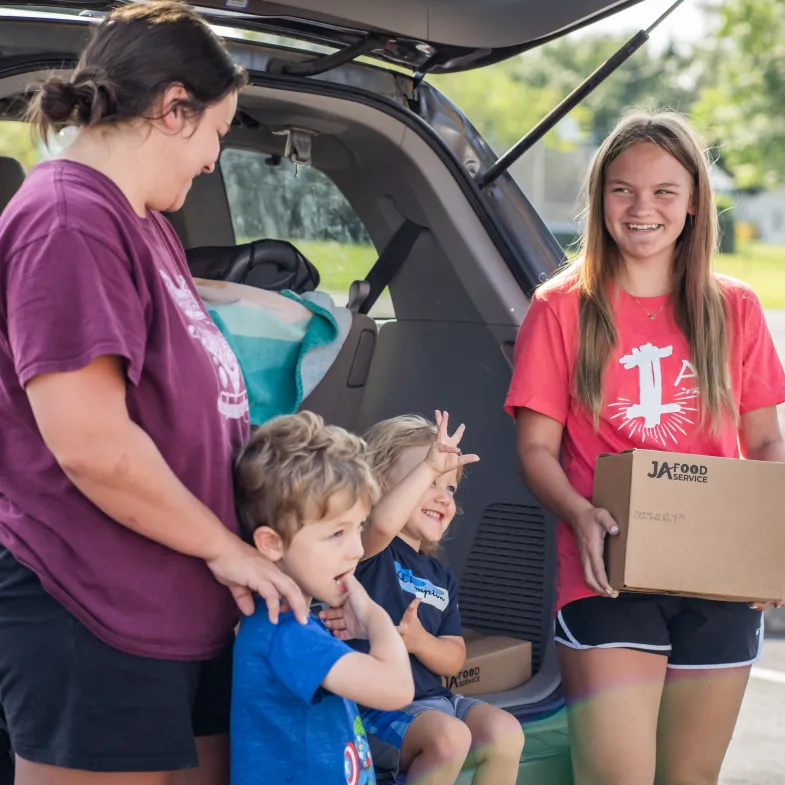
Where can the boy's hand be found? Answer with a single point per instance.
(350, 620)
(445, 455)
(411, 629)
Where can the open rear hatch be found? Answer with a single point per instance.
(428, 36)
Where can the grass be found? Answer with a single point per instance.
(339, 264)
(761, 266)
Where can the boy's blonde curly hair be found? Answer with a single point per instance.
(293, 468)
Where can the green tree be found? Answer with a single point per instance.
(742, 109)
(507, 99)
(650, 79)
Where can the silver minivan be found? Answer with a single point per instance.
(343, 150)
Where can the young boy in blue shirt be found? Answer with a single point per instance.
(304, 490)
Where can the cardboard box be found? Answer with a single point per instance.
(494, 663)
(694, 525)
(470, 635)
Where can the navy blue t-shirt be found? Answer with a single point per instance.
(393, 579)
(285, 728)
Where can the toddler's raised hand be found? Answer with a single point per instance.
(445, 455)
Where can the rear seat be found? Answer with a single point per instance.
(339, 396)
(12, 175)
(267, 264)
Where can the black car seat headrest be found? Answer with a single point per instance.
(267, 264)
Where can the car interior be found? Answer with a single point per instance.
(442, 348)
(12, 175)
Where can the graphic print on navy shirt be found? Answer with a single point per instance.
(393, 579)
(286, 729)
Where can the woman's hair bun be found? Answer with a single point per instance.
(83, 101)
(58, 100)
(95, 97)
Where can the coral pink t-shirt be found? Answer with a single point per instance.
(650, 391)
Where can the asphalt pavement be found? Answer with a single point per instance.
(757, 752)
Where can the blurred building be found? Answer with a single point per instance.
(766, 212)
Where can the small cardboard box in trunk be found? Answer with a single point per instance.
(693, 525)
(494, 663)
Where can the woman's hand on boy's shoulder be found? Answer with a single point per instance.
(445, 454)
(245, 572)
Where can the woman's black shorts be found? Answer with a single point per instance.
(72, 701)
(692, 633)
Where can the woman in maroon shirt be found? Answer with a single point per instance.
(121, 408)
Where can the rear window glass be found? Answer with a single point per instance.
(271, 198)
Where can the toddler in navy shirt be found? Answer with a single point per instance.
(418, 466)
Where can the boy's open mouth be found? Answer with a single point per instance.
(340, 580)
(437, 516)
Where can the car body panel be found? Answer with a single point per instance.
(431, 35)
(436, 36)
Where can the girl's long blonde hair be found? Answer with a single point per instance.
(697, 296)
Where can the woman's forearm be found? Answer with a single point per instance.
(124, 474)
(83, 420)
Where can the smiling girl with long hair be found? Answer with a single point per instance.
(639, 344)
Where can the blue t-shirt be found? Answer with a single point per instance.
(285, 728)
(393, 579)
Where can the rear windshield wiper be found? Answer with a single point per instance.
(571, 101)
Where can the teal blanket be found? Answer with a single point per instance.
(282, 361)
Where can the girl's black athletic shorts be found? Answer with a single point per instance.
(691, 633)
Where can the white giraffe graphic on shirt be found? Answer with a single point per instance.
(651, 416)
(232, 399)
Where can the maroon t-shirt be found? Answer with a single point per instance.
(81, 276)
